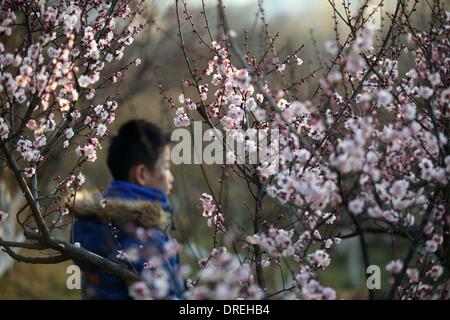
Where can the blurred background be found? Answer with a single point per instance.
(298, 22)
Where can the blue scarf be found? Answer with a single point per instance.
(131, 191)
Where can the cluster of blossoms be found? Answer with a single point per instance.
(320, 258)
(418, 287)
(229, 104)
(278, 242)
(158, 278)
(224, 277)
(181, 118)
(211, 212)
(89, 150)
(308, 288)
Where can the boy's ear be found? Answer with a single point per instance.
(140, 175)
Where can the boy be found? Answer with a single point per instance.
(139, 161)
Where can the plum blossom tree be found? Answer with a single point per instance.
(53, 58)
(366, 151)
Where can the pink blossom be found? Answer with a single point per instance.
(384, 98)
(435, 79)
(425, 92)
(356, 205)
(413, 275)
(181, 118)
(69, 133)
(140, 291)
(4, 129)
(320, 258)
(29, 172)
(3, 216)
(394, 266)
(435, 272)
(101, 129)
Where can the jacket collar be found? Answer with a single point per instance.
(142, 213)
(126, 190)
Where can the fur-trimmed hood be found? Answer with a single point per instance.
(141, 213)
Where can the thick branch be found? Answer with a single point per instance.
(12, 164)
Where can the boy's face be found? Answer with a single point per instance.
(163, 178)
(159, 178)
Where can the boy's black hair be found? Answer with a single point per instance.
(138, 142)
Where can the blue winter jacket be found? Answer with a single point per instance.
(110, 229)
